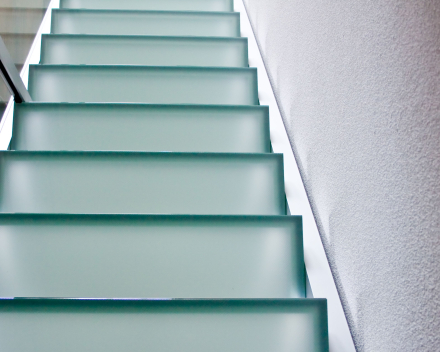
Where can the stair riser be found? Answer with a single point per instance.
(138, 50)
(221, 24)
(153, 256)
(114, 326)
(143, 84)
(141, 128)
(166, 5)
(164, 183)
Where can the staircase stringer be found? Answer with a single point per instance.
(318, 270)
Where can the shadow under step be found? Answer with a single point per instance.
(141, 127)
(134, 182)
(143, 84)
(143, 50)
(167, 5)
(211, 24)
(49, 325)
(122, 256)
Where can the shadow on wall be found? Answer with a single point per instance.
(358, 84)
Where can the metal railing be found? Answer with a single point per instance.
(11, 76)
(20, 20)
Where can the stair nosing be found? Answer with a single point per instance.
(190, 302)
(143, 36)
(183, 67)
(143, 153)
(142, 216)
(146, 105)
(236, 14)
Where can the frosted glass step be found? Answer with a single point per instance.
(141, 127)
(152, 256)
(42, 325)
(167, 5)
(210, 24)
(143, 84)
(131, 182)
(144, 50)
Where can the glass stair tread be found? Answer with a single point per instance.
(211, 24)
(134, 182)
(122, 256)
(174, 5)
(200, 216)
(141, 127)
(144, 50)
(39, 325)
(143, 84)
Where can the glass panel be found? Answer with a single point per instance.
(143, 127)
(138, 50)
(177, 5)
(152, 256)
(186, 326)
(160, 183)
(143, 84)
(145, 23)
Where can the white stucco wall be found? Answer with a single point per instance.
(358, 85)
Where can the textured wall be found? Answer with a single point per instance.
(358, 84)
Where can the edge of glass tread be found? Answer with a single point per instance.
(147, 67)
(142, 153)
(49, 36)
(294, 219)
(142, 36)
(73, 302)
(144, 105)
(204, 13)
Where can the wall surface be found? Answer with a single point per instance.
(358, 85)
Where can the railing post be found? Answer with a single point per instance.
(11, 76)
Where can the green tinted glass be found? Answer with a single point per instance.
(176, 5)
(298, 325)
(144, 50)
(124, 182)
(215, 24)
(152, 256)
(141, 127)
(162, 85)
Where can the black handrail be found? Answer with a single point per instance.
(11, 76)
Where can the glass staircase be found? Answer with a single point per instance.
(141, 206)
